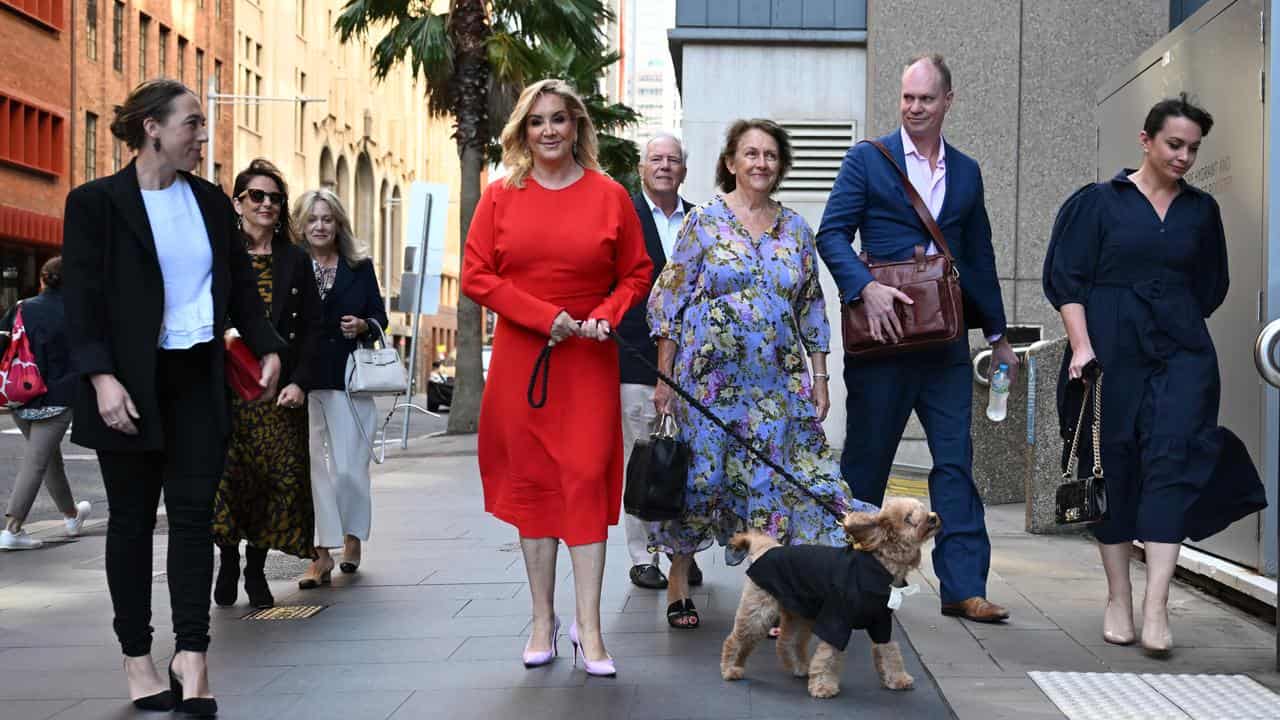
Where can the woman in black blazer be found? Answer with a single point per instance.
(265, 494)
(340, 453)
(154, 268)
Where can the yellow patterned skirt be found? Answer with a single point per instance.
(265, 493)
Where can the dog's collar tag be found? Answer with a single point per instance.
(896, 594)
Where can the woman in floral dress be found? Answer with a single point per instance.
(735, 312)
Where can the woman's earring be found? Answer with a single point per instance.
(279, 225)
(239, 222)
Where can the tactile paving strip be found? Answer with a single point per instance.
(1105, 696)
(1217, 696)
(1129, 696)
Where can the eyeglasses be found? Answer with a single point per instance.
(256, 195)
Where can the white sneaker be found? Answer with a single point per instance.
(76, 524)
(18, 541)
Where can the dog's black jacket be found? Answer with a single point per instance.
(839, 589)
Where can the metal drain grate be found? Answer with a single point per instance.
(285, 612)
(1129, 696)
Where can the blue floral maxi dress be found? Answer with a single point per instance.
(744, 313)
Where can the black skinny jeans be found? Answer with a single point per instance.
(188, 470)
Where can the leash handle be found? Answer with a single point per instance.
(543, 364)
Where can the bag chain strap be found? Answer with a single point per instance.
(1068, 473)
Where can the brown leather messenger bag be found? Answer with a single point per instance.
(931, 281)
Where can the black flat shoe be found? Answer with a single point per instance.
(649, 577)
(348, 567)
(195, 707)
(160, 702)
(682, 610)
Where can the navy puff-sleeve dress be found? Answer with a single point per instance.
(1147, 286)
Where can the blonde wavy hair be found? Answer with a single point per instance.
(350, 248)
(515, 147)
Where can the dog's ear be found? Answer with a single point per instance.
(864, 529)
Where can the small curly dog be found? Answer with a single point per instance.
(829, 592)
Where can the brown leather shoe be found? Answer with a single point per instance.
(977, 609)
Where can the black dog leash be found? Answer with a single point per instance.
(543, 365)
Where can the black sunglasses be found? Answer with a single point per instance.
(256, 195)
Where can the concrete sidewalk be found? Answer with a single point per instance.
(433, 624)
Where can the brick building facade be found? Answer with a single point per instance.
(120, 43)
(35, 122)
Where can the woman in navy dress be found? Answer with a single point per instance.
(1135, 265)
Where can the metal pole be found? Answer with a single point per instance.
(421, 263)
(212, 104)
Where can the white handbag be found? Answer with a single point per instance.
(371, 371)
(376, 370)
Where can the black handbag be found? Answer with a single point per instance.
(1084, 499)
(656, 474)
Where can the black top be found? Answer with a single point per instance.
(295, 312)
(114, 291)
(634, 328)
(354, 292)
(45, 324)
(840, 589)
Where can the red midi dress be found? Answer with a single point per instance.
(531, 252)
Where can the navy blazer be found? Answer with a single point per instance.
(868, 197)
(634, 328)
(45, 323)
(354, 292)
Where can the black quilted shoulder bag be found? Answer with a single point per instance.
(1084, 499)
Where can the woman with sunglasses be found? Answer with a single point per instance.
(265, 494)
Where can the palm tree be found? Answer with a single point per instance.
(474, 58)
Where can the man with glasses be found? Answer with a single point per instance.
(661, 211)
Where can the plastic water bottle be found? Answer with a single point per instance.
(998, 399)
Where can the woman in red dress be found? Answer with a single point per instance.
(556, 250)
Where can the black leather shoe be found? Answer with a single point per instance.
(649, 577)
(695, 573)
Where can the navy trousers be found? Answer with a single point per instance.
(937, 385)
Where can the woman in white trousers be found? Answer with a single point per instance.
(353, 310)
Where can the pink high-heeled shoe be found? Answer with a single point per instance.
(542, 657)
(599, 668)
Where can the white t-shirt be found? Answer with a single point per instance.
(186, 263)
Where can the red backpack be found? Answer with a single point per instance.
(20, 380)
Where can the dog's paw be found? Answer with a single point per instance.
(823, 689)
(899, 681)
(733, 673)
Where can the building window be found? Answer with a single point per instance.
(217, 8)
(182, 61)
(302, 18)
(90, 146)
(91, 28)
(162, 52)
(144, 26)
(117, 36)
(31, 137)
(46, 13)
(117, 154)
(200, 88)
(217, 76)
(217, 174)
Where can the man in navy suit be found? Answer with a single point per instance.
(661, 211)
(868, 197)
